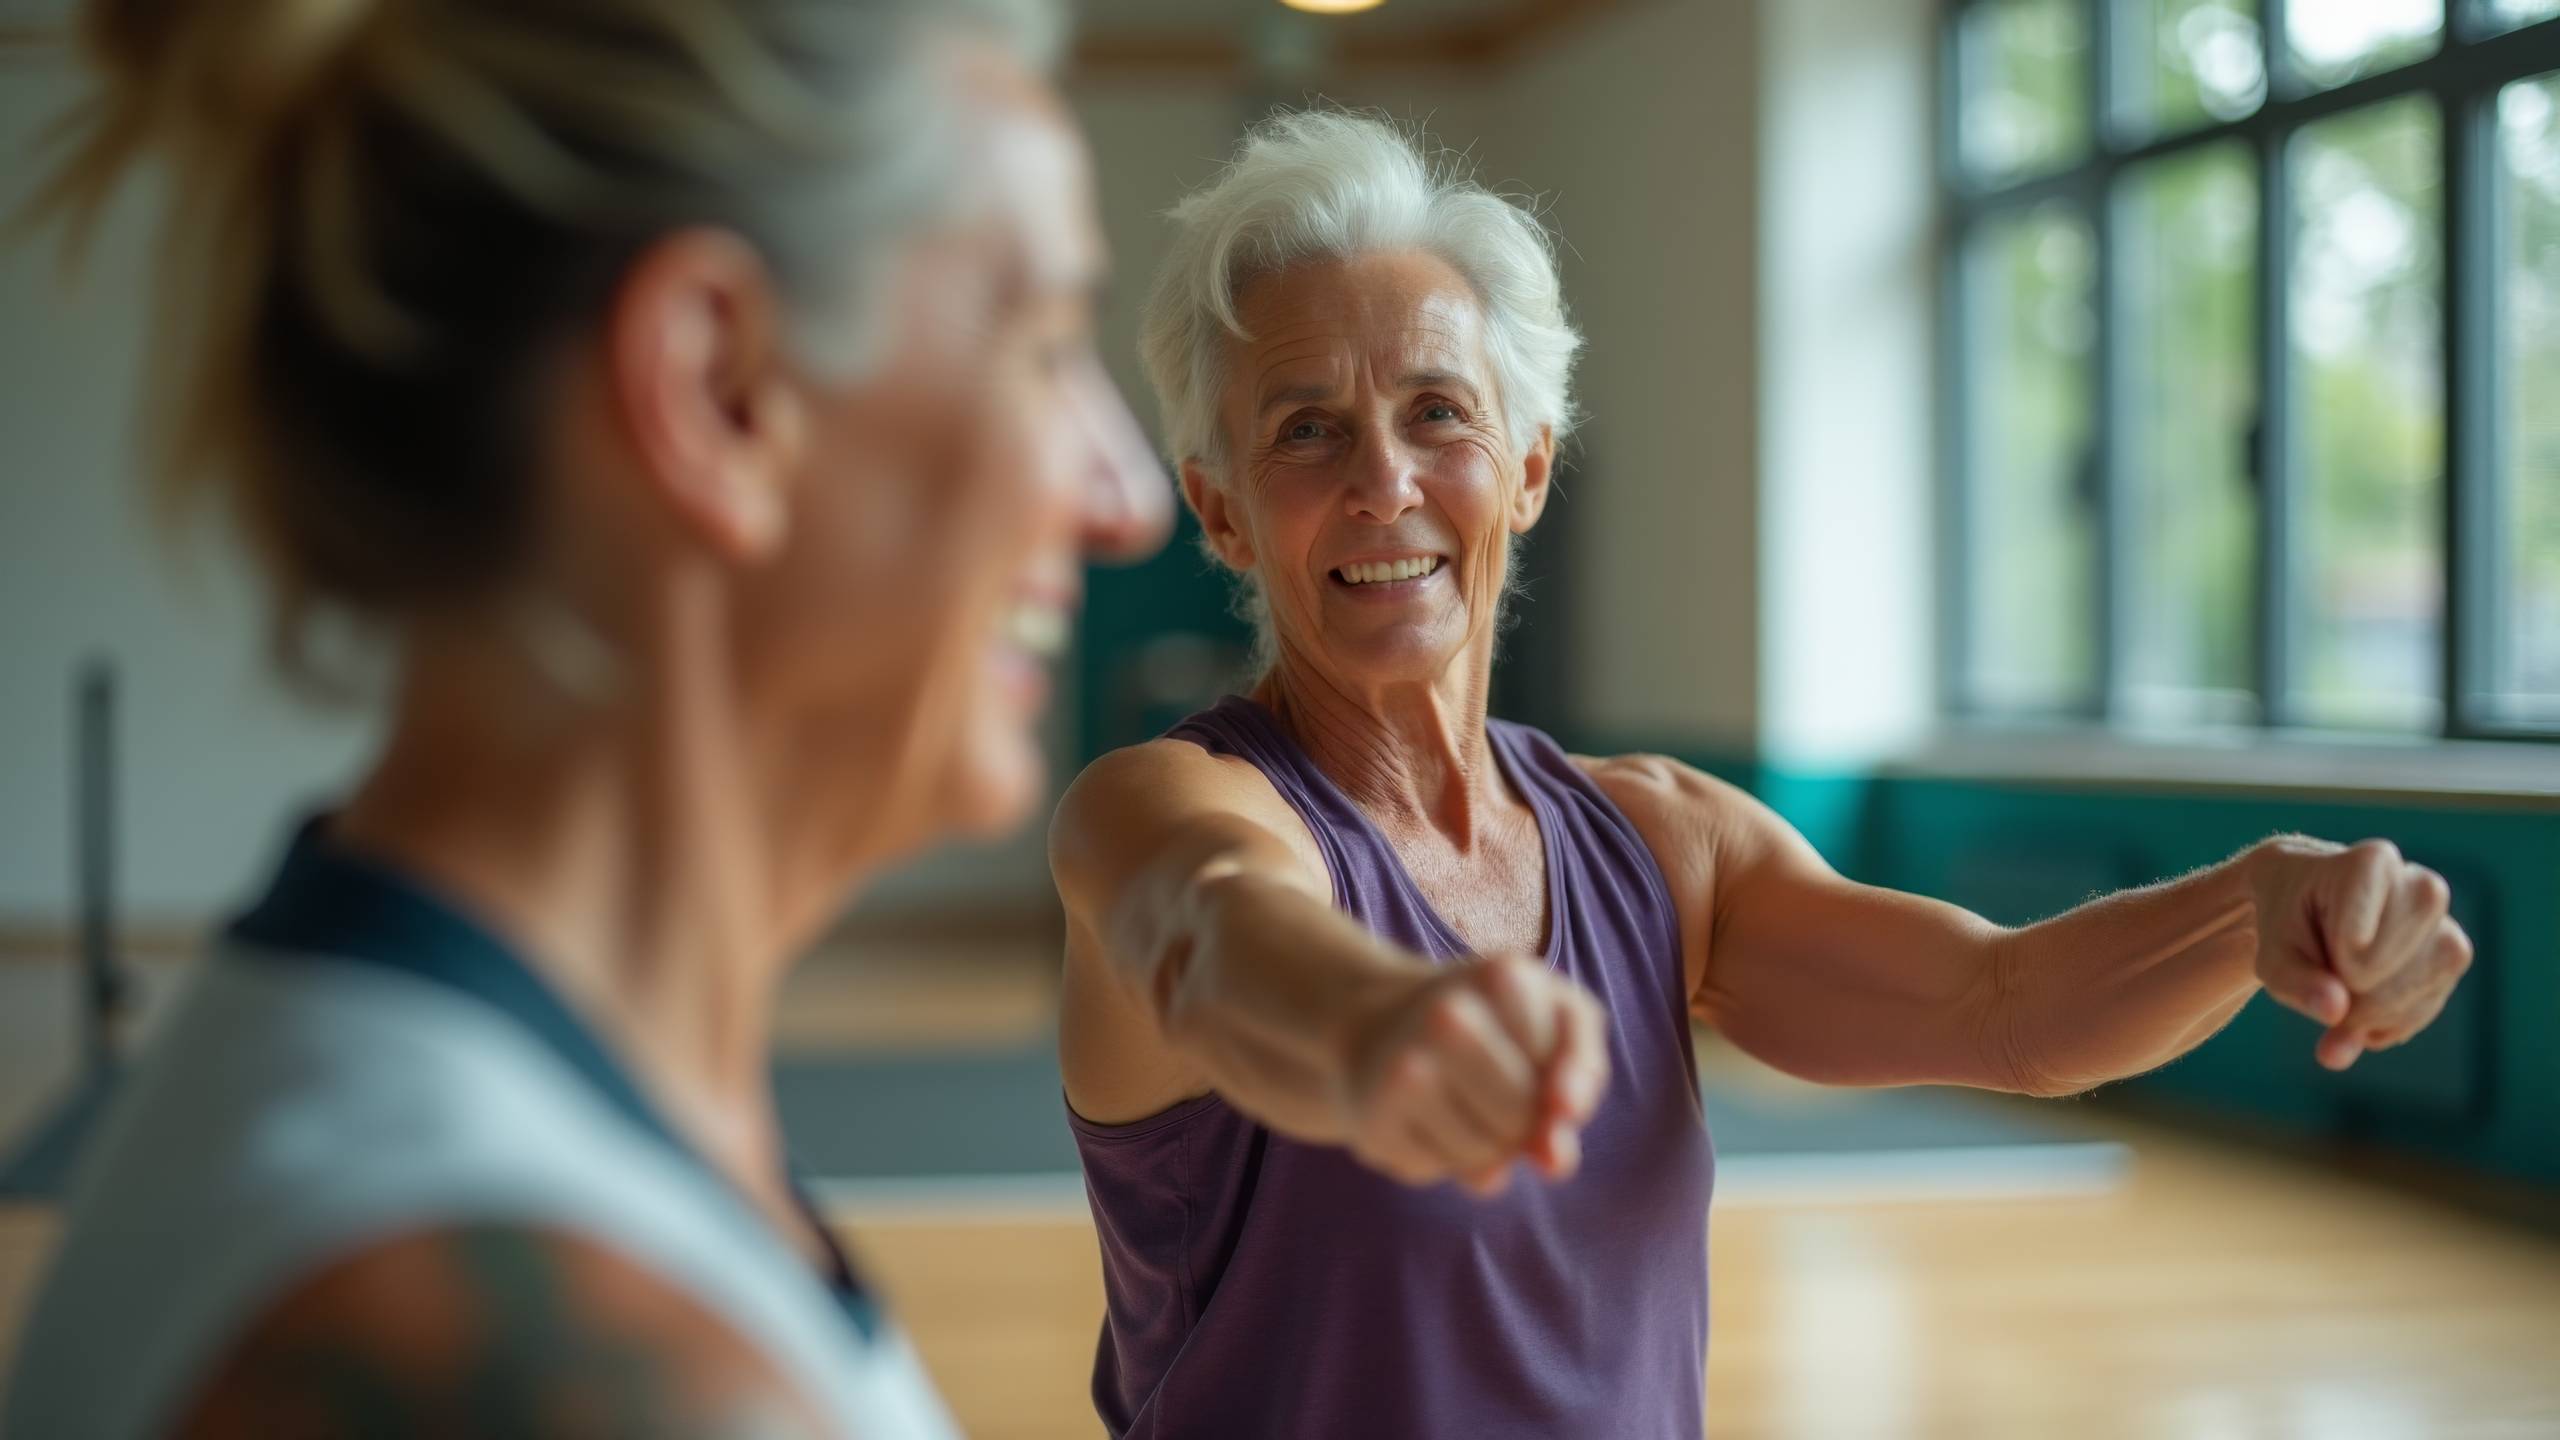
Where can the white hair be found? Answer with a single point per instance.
(1312, 185)
(1329, 185)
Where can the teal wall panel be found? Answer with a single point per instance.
(1147, 629)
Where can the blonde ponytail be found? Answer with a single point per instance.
(201, 77)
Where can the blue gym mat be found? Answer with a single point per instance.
(999, 1113)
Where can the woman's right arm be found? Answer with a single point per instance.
(1204, 953)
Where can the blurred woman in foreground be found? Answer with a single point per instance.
(699, 398)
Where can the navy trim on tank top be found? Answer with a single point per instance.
(330, 905)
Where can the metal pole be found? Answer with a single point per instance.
(104, 990)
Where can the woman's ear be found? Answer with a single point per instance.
(1208, 500)
(1537, 476)
(702, 382)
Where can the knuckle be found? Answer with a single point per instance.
(1410, 1073)
(2375, 852)
(1447, 1015)
(2390, 1016)
(2429, 888)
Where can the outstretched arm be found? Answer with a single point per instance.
(1204, 953)
(1850, 984)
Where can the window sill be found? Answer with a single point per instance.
(2300, 764)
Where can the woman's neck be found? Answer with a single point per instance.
(1414, 756)
(627, 852)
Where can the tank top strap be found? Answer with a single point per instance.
(1369, 882)
(1601, 843)
(1239, 727)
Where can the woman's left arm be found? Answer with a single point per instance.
(1849, 984)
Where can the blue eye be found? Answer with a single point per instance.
(1438, 411)
(1303, 430)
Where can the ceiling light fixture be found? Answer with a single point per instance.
(1333, 7)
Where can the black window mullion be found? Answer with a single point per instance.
(2271, 458)
(2472, 366)
(2106, 374)
(1953, 392)
(2282, 84)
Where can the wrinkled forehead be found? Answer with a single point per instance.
(1391, 317)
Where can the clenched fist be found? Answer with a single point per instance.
(1473, 1067)
(2357, 938)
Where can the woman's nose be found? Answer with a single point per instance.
(1128, 502)
(1382, 482)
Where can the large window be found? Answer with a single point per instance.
(2254, 368)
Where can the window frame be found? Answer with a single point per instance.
(2463, 75)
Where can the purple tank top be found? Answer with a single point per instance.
(1257, 1286)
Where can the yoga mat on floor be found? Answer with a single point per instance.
(997, 1114)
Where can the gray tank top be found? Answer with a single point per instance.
(1257, 1286)
(359, 1059)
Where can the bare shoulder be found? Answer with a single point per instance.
(1696, 824)
(493, 1330)
(1126, 801)
(1130, 825)
(1164, 773)
(1656, 790)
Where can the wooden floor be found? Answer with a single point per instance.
(2220, 1294)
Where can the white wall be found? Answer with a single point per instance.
(1152, 140)
(1847, 243)
(1640, 129)
(1746, 194)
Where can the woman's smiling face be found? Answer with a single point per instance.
(1371, 486)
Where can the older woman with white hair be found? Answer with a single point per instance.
(1342, 940)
